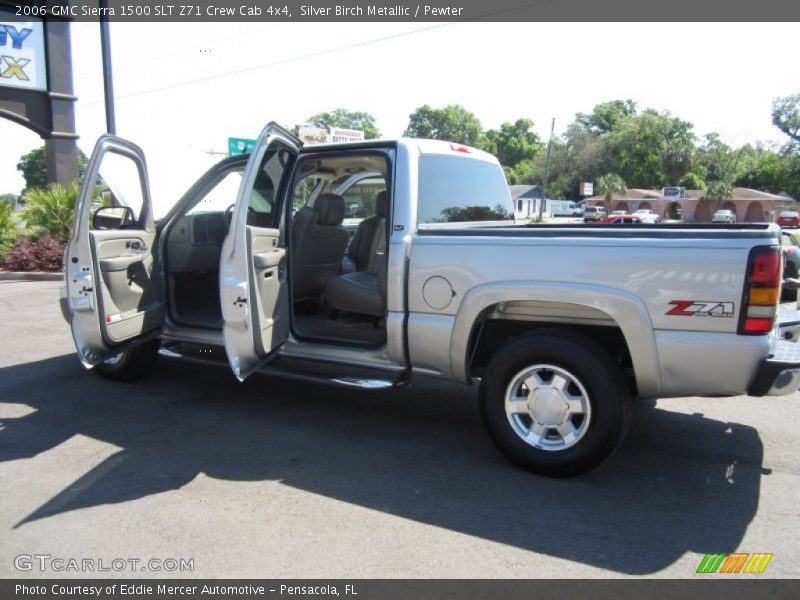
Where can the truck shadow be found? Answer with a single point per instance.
(680, 482)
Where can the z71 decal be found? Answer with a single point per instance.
(700, 308)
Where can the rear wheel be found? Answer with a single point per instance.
(131, 364)
(555, 403)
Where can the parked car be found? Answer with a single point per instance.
(561, 344)
(626, 219)
(724, 216)
(646, 215)
(789, 218)
(791, 264)
(594, 213)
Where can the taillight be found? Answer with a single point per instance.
(762, 290)
(459, 148)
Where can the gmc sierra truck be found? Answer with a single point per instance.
(365, 263)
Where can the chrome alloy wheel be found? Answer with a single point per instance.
(548, 407)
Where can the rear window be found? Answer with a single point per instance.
(455, 189)
(789, 213)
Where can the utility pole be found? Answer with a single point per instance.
(546, 169)
(108, 76)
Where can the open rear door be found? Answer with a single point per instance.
(114, 289)
(253, 267)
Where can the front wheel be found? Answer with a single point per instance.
(131, 364)
(555, 403)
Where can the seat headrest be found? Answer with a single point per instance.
(330, 208)
(380, 204)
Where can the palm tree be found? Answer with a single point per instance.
(609, 185)
(51, 210)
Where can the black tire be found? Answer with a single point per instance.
(789, 272)
(607, 395)
(130, 365)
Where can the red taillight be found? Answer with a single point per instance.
(761, 290)
(765, 268)
(459, 148)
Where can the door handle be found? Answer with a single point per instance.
(120, 263)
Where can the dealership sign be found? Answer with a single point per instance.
(22, 57)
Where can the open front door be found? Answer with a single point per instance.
(114, 289)
(253, 268)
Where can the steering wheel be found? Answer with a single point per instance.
(228, 214)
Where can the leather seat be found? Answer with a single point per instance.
(318, 245)
(363, 292)
(359, 249)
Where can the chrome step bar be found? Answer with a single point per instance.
(364, 383)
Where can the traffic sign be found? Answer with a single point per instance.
(240, 146)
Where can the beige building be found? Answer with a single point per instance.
(749, 205)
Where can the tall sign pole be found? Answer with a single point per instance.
(108, 76)
(546, 169)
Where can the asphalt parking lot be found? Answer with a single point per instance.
(276, 479)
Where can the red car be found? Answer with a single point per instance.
(789, 218)
(620, 219)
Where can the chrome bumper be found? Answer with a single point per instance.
(779, 373)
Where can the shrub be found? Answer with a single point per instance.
(50, 211)
(45, 254)
(8, 230)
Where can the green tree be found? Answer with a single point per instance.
(610, 185)
(716, 160)
(786, 116)
(512, 143)
(33, 167)
(341, 117)
(605, 117)
(641, 147)
(762, 168)
(717, 193)
(453, 123)
(51, 210)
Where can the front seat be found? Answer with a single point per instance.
(318, 245)
(363, 292)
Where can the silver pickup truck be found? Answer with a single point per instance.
(362, 264)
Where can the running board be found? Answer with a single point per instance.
(297, 369)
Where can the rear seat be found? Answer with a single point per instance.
(363, 292)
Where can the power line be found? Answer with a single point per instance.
(272, 64)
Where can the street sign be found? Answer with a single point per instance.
(587, 188)
(240, 146)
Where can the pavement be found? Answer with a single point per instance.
(277, 479)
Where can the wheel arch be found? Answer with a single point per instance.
(557, 304)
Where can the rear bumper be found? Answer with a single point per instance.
(779, 373)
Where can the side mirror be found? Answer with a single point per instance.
(113, 217)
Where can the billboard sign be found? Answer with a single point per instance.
(313, 134)
(587, 188)
(22, 56)
(339, 134)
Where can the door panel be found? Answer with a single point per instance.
(114, 287)
(253, 291)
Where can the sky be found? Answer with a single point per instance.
(182, 89)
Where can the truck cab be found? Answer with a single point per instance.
(289, 252)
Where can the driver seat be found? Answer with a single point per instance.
(318, 245)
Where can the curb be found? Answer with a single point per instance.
(30, 276)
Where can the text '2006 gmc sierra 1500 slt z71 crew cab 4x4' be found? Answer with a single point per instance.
(364, 263)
